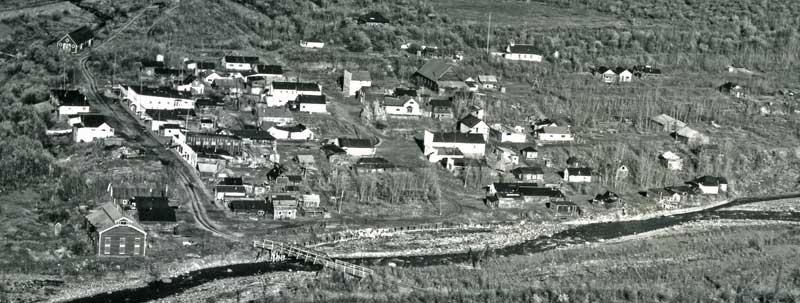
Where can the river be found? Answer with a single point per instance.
(579, 234)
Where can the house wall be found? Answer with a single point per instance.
(313, 108)
(523, 57)
(481, 128)
(73, 110)
(403, 110)
(121, 240)
(530, 155)
(609, 77)
(139, 103)
(89, 134)
(471, 150)
(625, 76)
(170, 132)
(238, 66)
(185, 151)
(530, 177)
(359, 151)
(709, 190)
(579, 179)
(284, 213)
(555, 137)
(503, 136)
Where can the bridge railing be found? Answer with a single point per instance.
(313, 256)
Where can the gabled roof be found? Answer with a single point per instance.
(529, 149)
(209, 102)
(361, 75)
(579, 171)
(434, 69)
(528, 170)
(709, 181)
(300, 86)
(92, 120)
(440, 103)
(228, 83)
(487, 78)
(399, 92)
(291, 128)
(269, 69)
(240, 59)
(151, 63)
(69, 97)
(253, 134)
(396, 101)
(106, 215)
(160, 92)
(164, 71)
(81, 35)
(206, 65)
(470, 121)
(468, 162)
(355, 143)
(522, 49)
(231, 181)
(150, 202)
(458, 138)
(311, 99)
(620, 70)
(248, 205)
(169, 114)
(555, 130)
(156, 214)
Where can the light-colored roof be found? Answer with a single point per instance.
(451, 84)
(487, 78)
(106, 215)
(305, 158)
(555, 130)
(688, 132)
(670, 156)
(667, 120)
(361, 75)
(434, 69)
(394, 101)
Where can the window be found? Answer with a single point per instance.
(107, 245)
(397, 109)
(409, 109)
(136, 245)
(562, 136)
(122, 246)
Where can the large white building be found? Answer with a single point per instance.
(522, 52)
(309, 104)
(90, 128)
(69, 102)
(283, 92)
(555, 134)
(402, 107)
(356, 147)
(144, 98)
(467, 145)
(239, 63)
(353, 82)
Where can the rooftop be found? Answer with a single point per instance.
(81, 35)
(69, 97)
(434, 69)
(354, 142)
(470, 121)
(240, 59)
(300, 86)
(458, 138)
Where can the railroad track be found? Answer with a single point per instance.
(188, 180)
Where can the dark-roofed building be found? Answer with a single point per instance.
(116, 234)
(269, 69)
(533, 173)
(284, 92)
(240, 63)
(517, 195)
(309, 104)
(76, 40)
(436, 75)
(158, 117)
(249, 206)
(90, 128)
(153, 209)
(255, 137)
(529, 153)
(208, 104)
(230, 188)
(470, 145)
(356, 147)
(473, 125)
(283, 206)
(710, 185)
(373, 165)
(231, 144)
(142, 98)
(372, 18)
(200, 66)
(400, 92)
(578, 174)
(69, 101)
(441, 109)
(522, 52)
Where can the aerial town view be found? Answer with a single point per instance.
(399, 151)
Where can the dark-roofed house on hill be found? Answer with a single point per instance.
(239, 63)
(155, 213)
(76, 40)
(436, 75)
(533, 173)
(116, 234)
(69, 101)
(283, 207)
(578, 174)
(356, 147)
(470, 145)
(249, 206)
(522, 52)
(90, 128)
(372, 18)
(441, 109)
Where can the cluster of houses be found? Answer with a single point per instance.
(623, 74)
(283, 196)
(673, 196)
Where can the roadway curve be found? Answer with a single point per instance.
(186, 176)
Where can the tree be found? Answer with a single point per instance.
(359, 42)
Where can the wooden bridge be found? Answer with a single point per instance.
(314, 257)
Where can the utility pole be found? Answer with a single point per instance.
(488, 32)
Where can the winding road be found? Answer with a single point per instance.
(187, 179)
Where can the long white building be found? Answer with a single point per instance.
(144, 98)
